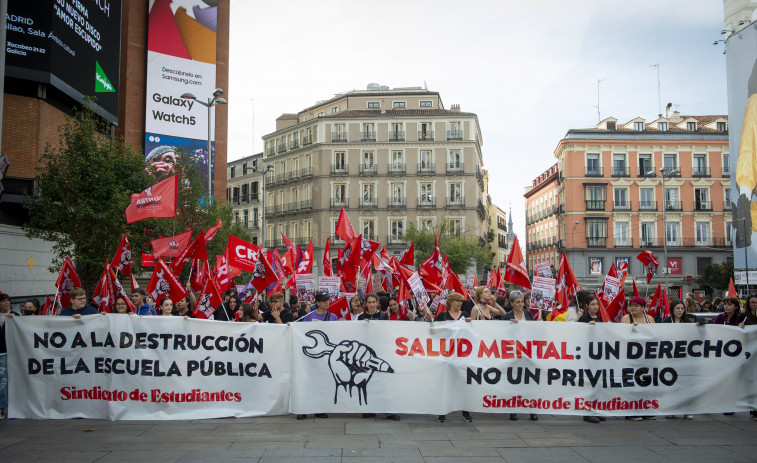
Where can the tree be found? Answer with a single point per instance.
(715, 276)
(462, 251)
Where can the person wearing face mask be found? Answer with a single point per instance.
(30, 307)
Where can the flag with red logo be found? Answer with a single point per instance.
(306, 259)
(617, 307)
(433, 266)
(47, 309)
(408, 255)
(349, 260)
(650, 263)
(344, 228)
(212, 231)
(341, 308)
(122, 259)
(221, 272)
(196, 249)
(171, 246)
(287, 261)
(67, 280)
(368, 248)
(665, 304)
(165, 284)
(602, 311)
(516, 267)
(157, 202)
(327, 271)
(656, 305)
(209, 300)
(104, 296)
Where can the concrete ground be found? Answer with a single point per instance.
(416, 438)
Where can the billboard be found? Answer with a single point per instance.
(181, 58)
(73, 45)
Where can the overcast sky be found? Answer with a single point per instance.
(528, 69)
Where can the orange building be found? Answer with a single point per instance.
(610, 203)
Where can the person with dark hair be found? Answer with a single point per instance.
(225, 312)
(30, 307)
(372, 311)
(250, 314)
(321, 313)
(518, 314)
(394, 312)
(277, 313)
(183, 307)
(591, 314)
(678, 313)
(138, 296)
(707, 305)
(120, 306)
(636, 312)
(383, 303)
(356, 307)
(78, 305)
(731, 313)
(166, 307)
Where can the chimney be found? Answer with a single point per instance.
(455, 107)
(667, 109)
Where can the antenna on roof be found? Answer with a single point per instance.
(599, 117)
(659, 97)
(425, 86)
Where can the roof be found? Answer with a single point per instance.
(287, 117)
(397, 113)
(371, 93)
(672, 122)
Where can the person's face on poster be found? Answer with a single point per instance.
(161, 166)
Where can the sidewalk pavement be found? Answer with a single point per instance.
(416, 438)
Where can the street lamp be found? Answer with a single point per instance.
(269, 168)
(214, 100)
(664, 174)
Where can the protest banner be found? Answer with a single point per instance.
(306, 287)
(543, 270)
(543, 293)
(331, 284)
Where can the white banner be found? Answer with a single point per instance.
(125, 367)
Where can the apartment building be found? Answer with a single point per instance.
(390, 157)
(244, 190)
(498, 228)
(604, 201)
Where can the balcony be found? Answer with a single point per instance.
(673, 206)
(426, 202)
(621, 206)
(397, 169)
(455, 168)
(295, 144)
(282, 147)
(281, 178)
(426, 168)
(368, 203)
(395, 239)
(457, 202)
(367, 136)
(454, 134)
(644, 170)
(339, 169)
(620, 171)
(306, 172)
(702, 205)
(397, 202)
(368, 169)
(306, 205)
(721, 242)
(481, 210)
(623, 243)
(428, 135)
(396, 135)
(647, 206)
(595, 172)
(338, 136)
(271, 151)
(595, 204)
(668, 169)
(293, 175)
(254, 198)
(338, 203)
(727, 172)
(254, 225)
(596, 242)
(269, 210)
(699, 171)
(336, 239)
(307, 140)
(727, 205)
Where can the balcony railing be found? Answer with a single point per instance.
(396, 135)
(669, 171)
(645, 170)
(620, 171)
(397, 169)
(368, 203)
(338, 203)
(455, 167)
(367, 136)
(306, 172)
(727, 205)
(454, 134)
(426, 202)
(295, 174)
(623, 243)
(397, 202)
(368, 169)
(282, 147)
(338, 136)
(280, 178)
(697, 171)
(673, 206)
(595, 172)
(269, 210)
(339, 169)
(426, 168)
(428, 135)
(647, 205)
(271, 151)
(595, 204)
(455, 202)
(596, 242)
(726, 172)
(621, 205)
(702, 205)
(306, 205)
(307, 140)
(395, 239)
(295, 144)
(254, 226)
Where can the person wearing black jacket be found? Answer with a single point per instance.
(278, 314)
(678, 313)
(517, 301)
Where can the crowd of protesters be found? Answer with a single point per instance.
(484, 304)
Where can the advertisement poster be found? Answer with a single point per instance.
(542, 293)
(674, 265)
(306, 287)
(181, 58)
(543, 270)
(595, 265)
(331, 284)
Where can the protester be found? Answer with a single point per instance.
(250, 314)
(454, 303)
(356, 307)
(371, 309)
(731, 313)
(394, 311)
(322, 309)
(482, 309)
(226, 310)
(277, 313)
(166, 307)
(517, 300)
(637, 315)
(707, 305)
(691, 305)
(183, 307)
(750, 318)
(30, 307)
(138, 296)
(5, 311)
(78, 305)
(591, 314)
(678, 313)
(717, 305)
(120, 306)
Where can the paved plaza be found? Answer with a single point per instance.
(416, 438)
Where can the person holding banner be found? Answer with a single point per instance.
(138, 296)
(183, 307)
(277, 314)
(226, 311)
(356, 307)
(321, 313)
(517, 301)
(482, 310)
(636, 313)
(78, 305)
(120, 306)
(166, 307)
(731, 313)
(394, 311)
(454, 304)
(591, 314)
(679, 314)
(371, 309)
(250, 314)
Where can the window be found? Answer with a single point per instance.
(646, 199)
(335, 110)
(621, 234)
(728, 241)
(340, 161)
(398, 104)
(672, 234)
(369, 229)
(340, 193)
(662, 126)
(647, 234)
(427, 161)
(306, 230)
(427, 194)
(455, 192)
(396, 131)
(231, 173)
(425, 104)
(596, 232)
(255, 216)
(456, 227)
(611, 125)
(699, 168)
(396, 229)
(245, 192)
(595, 197)
(295, 196)
(638, 126)
(726, 165)
(235, 194)
(700, 199)
(396, 194)
(621, 200)
(244, 168)
(703, 233)
(455, 160)
(368, 159)
(369, 194)
(691, 126)
(645, 164)
(592, 165)
(282, 200)
(369, 132)
(293, 230)
(455, 131)
(246, 218)
(721, 127)
(671, 199)
(619, 165)
(426, 225)
(669, 163)
(727, 199)
(398, 161)
(374, 105)
(426, 132)
(340, 133)
(321, 114)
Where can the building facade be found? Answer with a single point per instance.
(498, 228)
(391, 158)
(610, 202)
(244, 191)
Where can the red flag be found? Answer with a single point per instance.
(617, 306)
(221, 271)
(613, 271)
(242, 254)
(196, 250)
(209, 300)
(327, 271)
(306, 259)
(344, 228)
(67, 280)
(453, 284)
(656, 304)
(212, 231)
(635, 289)
(134, 283)
(516, 267)
(623, 273)
(368, 288)
(164, 283)
(349, 260)
(288, 243)
(341, 308)
(122, 259)
(118, 290)
(47, 309)
(158, 201)
(434, 265)
(368, 248)
(262, 275)
(475, 280)
(602, 311)
(200, 273)
(104, 295)
(650, 263)
(408, 255)
(731, 289)
(287, 263)
(665, 304)
(170, 246)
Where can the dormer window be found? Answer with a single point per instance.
(721, 127)
(610, 125)
(399, 104)
(662, 126)
(638, 126)
(691, 126)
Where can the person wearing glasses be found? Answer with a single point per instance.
(78, 305)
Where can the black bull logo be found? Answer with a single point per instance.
(352, 363)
